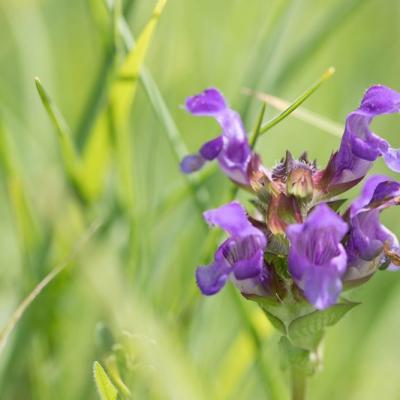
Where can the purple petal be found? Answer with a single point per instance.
(241, 256)
(211, 279)
(380, 99)
(367, 235)
(322, 287)
(367, 193)
(360, 146)
(259, 286)
(392, 159)
(250, 267)
(232, 218)
(192, 163)
(317, 260)
(211, 149)
(209, 102)
(232, 147)
(379, 192)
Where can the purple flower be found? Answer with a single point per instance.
(231, 148)
(360, 147)
(317, 260)
(240, 257)
(367, 235)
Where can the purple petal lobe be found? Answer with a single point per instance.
(367, 193)
(209, 102)
(232, 218)
(211, 149)
(317, 259)
(392, 159)
(322, 287)
(380, 99)
(211, 279)
(192, 163)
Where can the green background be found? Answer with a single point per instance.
(136, 274)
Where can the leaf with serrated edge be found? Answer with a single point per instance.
(106, 389)
(307, 331)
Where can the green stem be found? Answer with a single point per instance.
(298, 384)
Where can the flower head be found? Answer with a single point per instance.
(231, 148)
(297, 245)
(317, 259)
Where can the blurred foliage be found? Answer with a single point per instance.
(129, 298)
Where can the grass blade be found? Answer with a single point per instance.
(300, 100)
(161, 110)
(72, 162)
(257, 129)
(23, 306)
(98, 96)
(314, 119)
(27, 228)
(122, 94)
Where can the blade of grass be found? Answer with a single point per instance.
(98, 95)
(122, 93)
(164, 115)
(23, 306)
(300, 100)
(314, 119)
(257, 129)
(27, 229)
(71, 159)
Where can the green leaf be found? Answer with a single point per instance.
(275, 322)
(336, 204)
(106, 389)
(307, 331)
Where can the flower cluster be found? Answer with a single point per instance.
(296, 246)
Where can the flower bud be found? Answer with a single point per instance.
(300, 184)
